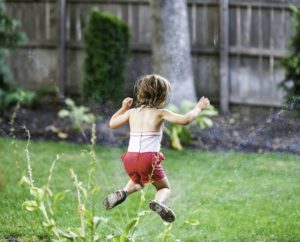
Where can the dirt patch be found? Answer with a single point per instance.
(244, 129)
(277, 130)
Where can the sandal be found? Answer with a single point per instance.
(114, 199)
(164, 212)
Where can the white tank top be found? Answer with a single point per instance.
(145, 141)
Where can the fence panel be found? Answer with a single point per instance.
(258, 42)
(258, 35)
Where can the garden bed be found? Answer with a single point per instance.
(244, 129)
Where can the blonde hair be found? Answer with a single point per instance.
(152, 90)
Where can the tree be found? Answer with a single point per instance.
(171, 49)
(9, 38)
(106, 49)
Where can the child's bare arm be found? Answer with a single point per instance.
(189, 116)
(122, 115)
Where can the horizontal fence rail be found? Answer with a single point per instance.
(259, 33)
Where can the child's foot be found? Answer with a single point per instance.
(164, 212)
(114, 199)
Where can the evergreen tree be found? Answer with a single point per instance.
(9, 38)
(291, 63)
(106, 49)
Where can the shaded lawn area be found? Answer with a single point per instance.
(226, 196)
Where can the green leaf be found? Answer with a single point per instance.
(97, 220)
(65, 234)
(58, 197)
(168, 131)
(143, 213)
(164, 232)
(192, 222)
(74, 233)
(131, 225)
(43, 210)
(84, 192)
(142, 198)
(185, 135)
(70, 102)
(38, 193)
(207, 121)
(89, 118)
(30, 205)
(25, 181)
(293, 8)
(63, 113)
(110, 237)
(202, 125)
(166, 238)
(209, 112)
(95, 190)
(187, 106)
(124, 239)
(175, 141)
(49, 225)
(96, 238)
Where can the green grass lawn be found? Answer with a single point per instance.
(224, 196)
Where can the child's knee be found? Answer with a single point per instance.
(165, 186)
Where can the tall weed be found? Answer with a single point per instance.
(45, 203)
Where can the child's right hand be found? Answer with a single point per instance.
(127, 102)
(203, 103)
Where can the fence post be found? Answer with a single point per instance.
(224, 55)
(61, 44)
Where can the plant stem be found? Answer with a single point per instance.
(28, 157)
(80, 205)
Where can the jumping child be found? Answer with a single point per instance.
(142, 161)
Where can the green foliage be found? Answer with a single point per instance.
(78, 115)
(9, 38)
(179, 134)
(106, 49)
(44, 202)
(291, 63)
(16, 95)
(48, 93)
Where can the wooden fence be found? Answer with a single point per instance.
(258, 34)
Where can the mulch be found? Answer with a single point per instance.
(243, 129)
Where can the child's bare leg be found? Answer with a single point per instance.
(132, 187)
(157, 205)
(163, 190)
(120, 196)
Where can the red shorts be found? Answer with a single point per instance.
(143, 167)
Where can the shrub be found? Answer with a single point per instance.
(179, 134)
(14, 95)
(291, 63)
(9, 38)
(78, 115)
(9, 93)
(106, 49)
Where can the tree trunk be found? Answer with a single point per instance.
(171, 50)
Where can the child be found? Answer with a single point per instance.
(142, 161)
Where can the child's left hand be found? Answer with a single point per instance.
(203, 103)
(127, 102)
